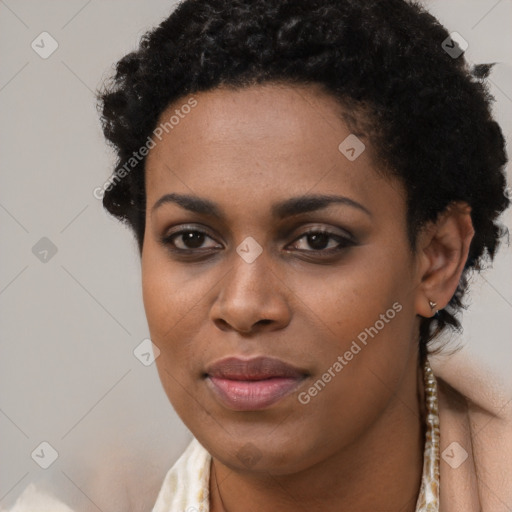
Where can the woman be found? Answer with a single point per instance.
(310, 183)
(320, 178)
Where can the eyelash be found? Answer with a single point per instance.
(344, 242)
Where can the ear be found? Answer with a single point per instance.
(442, 249)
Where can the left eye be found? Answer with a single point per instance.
(322, 241)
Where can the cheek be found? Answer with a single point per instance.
(364, 316)
(176, 306)
(169, 299)
(169, 303)
(357, 295)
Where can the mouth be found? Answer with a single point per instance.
(252, 384)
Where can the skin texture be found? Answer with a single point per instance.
(359, 441)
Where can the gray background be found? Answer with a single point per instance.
(68, 375)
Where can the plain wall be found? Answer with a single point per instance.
(69, 326)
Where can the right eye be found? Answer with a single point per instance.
(189, 241)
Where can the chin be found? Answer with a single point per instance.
(264, 451)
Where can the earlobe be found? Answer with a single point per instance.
(443, 251)
(433, 306)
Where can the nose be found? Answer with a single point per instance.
(252, 298)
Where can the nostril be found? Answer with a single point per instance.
(222, 324)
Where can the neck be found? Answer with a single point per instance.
(380, 471)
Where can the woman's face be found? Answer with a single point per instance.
(235, 271)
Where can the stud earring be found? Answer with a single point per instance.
(433, 305)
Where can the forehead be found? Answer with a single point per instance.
(257, 143)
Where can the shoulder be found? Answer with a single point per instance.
(475, 414)
(35, 500)
(466, 388)
(185, 488)
(186, 485)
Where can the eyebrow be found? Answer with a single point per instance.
(287, 208)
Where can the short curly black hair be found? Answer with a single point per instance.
(426, 113)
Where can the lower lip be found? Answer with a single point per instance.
(245, 395)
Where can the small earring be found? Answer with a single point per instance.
(432, 304)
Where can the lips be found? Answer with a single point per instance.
(252, 384)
